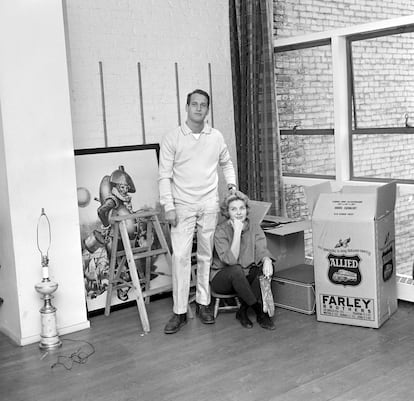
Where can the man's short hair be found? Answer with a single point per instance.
(200, 92)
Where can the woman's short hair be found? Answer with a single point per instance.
(238, 195)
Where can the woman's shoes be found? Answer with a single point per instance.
(263, 318)
(241, 315)
(265, 321)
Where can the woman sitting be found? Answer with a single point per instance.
(240, 257)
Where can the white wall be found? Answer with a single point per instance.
(37, 135)
(157, 34)
(37, 170)
(9, 312)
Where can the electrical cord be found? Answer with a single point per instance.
(80, 356)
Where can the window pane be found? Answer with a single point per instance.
(383, 81)
(384, 156)
(304, 88)
(305, 100)
(308, 154)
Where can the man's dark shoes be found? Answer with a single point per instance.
(241, 315)
(175, 323)
(265, 321)
(205, 314)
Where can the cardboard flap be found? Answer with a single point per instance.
(348, 206)
(386, 196)
(359, 189)
(258, 210)
(312, 194)
(363, 202)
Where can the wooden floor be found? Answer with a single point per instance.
(301, 360)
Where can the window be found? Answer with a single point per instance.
(382, 93)
(305, 103)
(362, 115)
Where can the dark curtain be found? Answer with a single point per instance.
(254, 97)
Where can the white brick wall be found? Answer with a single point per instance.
(157, 34)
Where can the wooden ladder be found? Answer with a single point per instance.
(123, 261)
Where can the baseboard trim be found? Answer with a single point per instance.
(405, 288)
(61, 331)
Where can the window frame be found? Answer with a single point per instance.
(340, 41)
(354, 130)
(305, 132)
(342, 91)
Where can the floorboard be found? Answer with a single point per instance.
(301, 360)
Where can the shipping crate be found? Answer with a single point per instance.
(354, 254)
(294, 288)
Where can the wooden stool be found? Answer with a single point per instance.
(228, 308)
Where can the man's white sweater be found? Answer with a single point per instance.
(188, 166)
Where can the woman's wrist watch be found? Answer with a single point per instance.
(231, 186)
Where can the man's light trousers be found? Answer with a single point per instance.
(202, 219)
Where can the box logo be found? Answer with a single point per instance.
(344, 269)
(387, 263)
(347, 307)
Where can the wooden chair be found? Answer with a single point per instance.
(217, 296)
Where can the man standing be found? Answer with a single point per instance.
(188, 185)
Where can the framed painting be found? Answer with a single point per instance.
(115, 180)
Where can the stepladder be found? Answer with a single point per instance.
(130, 265)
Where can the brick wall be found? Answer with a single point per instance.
(293, 18)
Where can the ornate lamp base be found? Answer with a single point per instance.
(49, 335)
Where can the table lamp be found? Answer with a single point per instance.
(49, 338)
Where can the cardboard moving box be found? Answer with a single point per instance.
(354, 254)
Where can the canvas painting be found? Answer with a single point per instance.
(119, 180)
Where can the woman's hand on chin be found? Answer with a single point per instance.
(237, 224)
